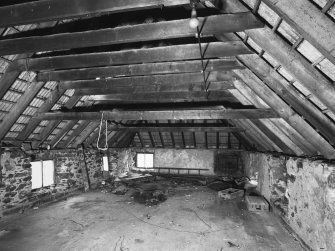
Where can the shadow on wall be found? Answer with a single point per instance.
(303, 191)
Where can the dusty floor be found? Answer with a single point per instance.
(193, 218)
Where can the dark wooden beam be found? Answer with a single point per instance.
(46, 10)
(272, 136)
(260, 136)
(319, 30)
(92, 138)
(194, 140)
(251, 137)
(286, 112)
(288, 93)
(177, 128)
(165, 97)
(85, 133)
(229, 141)
(123, 136)
(160, 135)
(328, 5)
(139, 81)
(75, 133)
(211, 25)
(150, 136)
(159, 88)
(162, 115)
(280, 127)
(296, 64)
(222, 64)
(12, 116)
(157, 54)
(243, 141)
(53, 124)
(172, 137)
(62, 133)
(126, 141)
(183, 139)
(47, 105)
(9, 77)
(114, 140)
(141, 139)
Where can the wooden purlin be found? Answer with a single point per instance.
(142, 81)
(13, 115)
(47, 105)
(288, 93)
(134, 56)
(221, 64)
(46, 10)
(311, 23)
(296, 64)
(162, 115)
(320, 145)
(299, 141)
(210, 26)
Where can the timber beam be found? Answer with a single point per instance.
(264, 92)
(134, 56)
(162, 115)
(168, 97)
(181, 129)
(222, 64)
(311, 23)
(144, 81)
(12, 116)
(156, 88)
(288, 93)
(46, 10)
(296, 64)
(47, 105)
(211, 25)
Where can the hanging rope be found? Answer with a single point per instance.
(100, 128)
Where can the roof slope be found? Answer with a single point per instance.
(259, 76)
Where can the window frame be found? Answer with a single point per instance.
(144, 153)
(53, 174)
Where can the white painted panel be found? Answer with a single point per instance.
(105, 163)
(149, 161)
(48, 172)
(36, 174)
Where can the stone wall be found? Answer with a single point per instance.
(304, 192)
(124, 160)
(121, 160)
(15, 183)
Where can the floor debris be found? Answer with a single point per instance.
(256, 203)
(120, 190)
(175, 224)
(231, 244)
(230, 193)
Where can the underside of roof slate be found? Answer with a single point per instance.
(255, 75)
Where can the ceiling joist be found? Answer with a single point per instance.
(134, 56)
(211, 25)
(46, 10)
(162, 115)
(222, 64)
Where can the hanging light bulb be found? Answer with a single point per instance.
(194, 22)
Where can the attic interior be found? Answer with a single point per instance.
(167, 125)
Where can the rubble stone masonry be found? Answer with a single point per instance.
(303, 190)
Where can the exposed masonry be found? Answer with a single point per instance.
(15, 186)
(303, 191)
